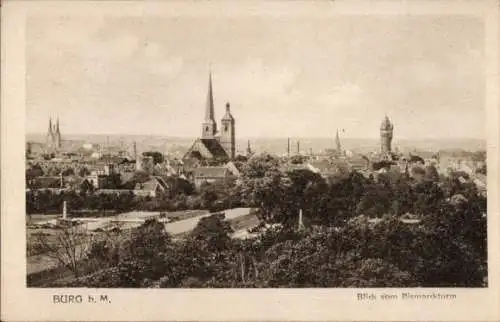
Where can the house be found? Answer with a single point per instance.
(209, 174)
(104, 179)
(289, 167)
(114, 191)
(151, 188)
(358, 163)
(327, 168)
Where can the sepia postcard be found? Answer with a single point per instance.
(250, 160)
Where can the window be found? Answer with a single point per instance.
(225, 128)
(206, 129)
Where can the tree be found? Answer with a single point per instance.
(86, 187)
(208, 195)
(212, 233)
(259, 165)
(113, 181)
(376, 201)
(382, 164)
(376, 272)
(68, 172)
(157, 156)
(431, 173)
(481, 169)
(145, 255)
(298, 159)
(34, 171)
(69, 246)
(241, 158)
(83, 172)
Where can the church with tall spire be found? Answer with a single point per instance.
(214, 144)
(54, 139)
(209, 126)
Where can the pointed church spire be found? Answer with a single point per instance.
(249, 149)
(57, 125)
(50, 125)
(209, 111)
(337, 143)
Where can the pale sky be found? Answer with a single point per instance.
(284, 76)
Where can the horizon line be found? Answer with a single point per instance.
(264, 137)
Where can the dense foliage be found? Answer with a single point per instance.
(388, 231)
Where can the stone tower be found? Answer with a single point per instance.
(227, 134)
(386, 130)
(209, 127)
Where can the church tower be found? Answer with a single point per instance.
(338, 146)
(386, 130)
(227, 135)
(49, 135)
(53, 140)
(209, 126)
(57, 135)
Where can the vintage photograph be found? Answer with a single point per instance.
(258, 151)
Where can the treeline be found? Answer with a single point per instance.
(333, 201)
(389, 253)
(181, 195)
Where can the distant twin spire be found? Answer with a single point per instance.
(54, 134)
(54, 128)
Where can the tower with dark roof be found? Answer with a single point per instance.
(209, 126)
(386, 132)
(227, 134)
